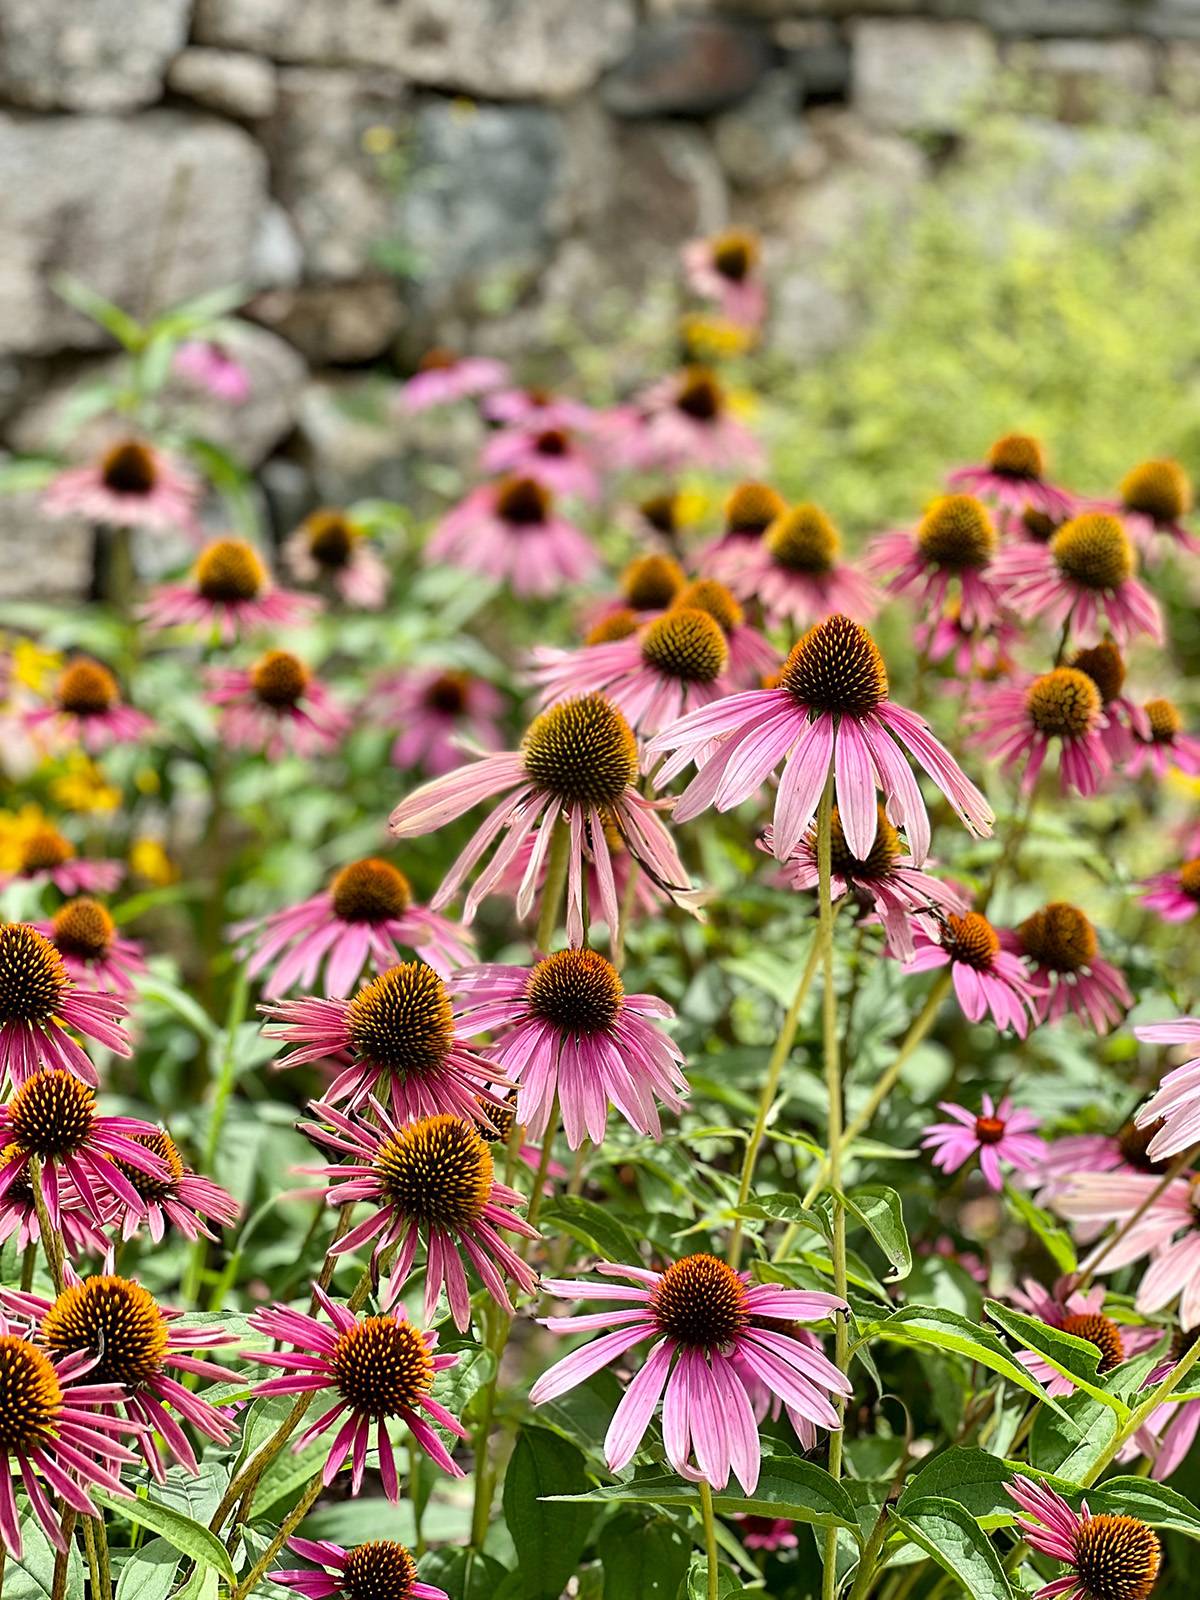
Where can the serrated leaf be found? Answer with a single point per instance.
(31, 1577)
(1077, 1359)
(1070, 1439)
(971, 1478)
(1156, 1504)
(958, 1544)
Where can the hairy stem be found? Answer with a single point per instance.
(286, 1528)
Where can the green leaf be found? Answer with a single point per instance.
(32, 1576)
(787, 1487)
(1155, 1504)
(957, 1543)
(642, 1560)
(26, 472)
(971, 1478)
(880, 1211)
(593, 1226)
(202, 1585)
(463, 1574)
(1056, 1240)
(192, 1538)
(1070, 1439)
(548, 1538)
(946, 1330)
(181, 1003)
(126, 330)
(1077, 1359)
(783, 1208)
(150, 1572)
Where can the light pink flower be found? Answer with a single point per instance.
(380, 1567)
(1175, 895)
(831, 707)
(988, 979)
(1013, 478)
(379, 1368)
(750, 510)
(535, 409)
(683, 422)
(509, 531)
(949, 551)
(1081, 1314)
(711, 1328)
(1169, 1432)
(87, 709)
(578, 762)
(436, 712)
(970, 652)
(1063, 952)
(1160, 744)
(39, 1001)
(1018, 721)
(94, 954)
(567, 1028)
(47, 856)
(230, 592)
(1082, 580)
(329, 548)
(276, 706)
(132, 485)
(1175, 1104)
(432, 1177)
(1089, 1546)
(998, 1133)
(795, 571)
(1075, 1154)
(209, 366)
(1167, 1231)
(444, 377)
(727, 268)
(553, 457)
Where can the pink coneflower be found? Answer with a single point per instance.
(433, 709)
(1081, 1314)
(79, 1233)
(1175, 895)
(1017, 722)
(1013, 478)
(671, 665)
(1160, 744)
(567, 1028)
(1067, 1159)
(1110, 1557)
(749, 511)
(1173, 1111)
(552, 457)
(380, 1367)
(1169, 1432)
(432, 1178)
(276, 706)
(53, 1117)
(771, 1534)
(684, 421)
(535, 409)
(399, 1034)
(365, 918)
(209, 366)
(1083, 579)
(1167, 1231)
(886, 882)
(47, 856)
(796, 572)
(831, 706)
(38, 1003)
(183, 1199)
(727, 269)
(509, 531)
(443, 377)
(329, 548)
(87, 709)
(1126, 726)
(988, 979)
(1063, 953)
(53, 1437)
(94, 954)
(135, 1344)
(950, 548)
(997, 1133)
(983, 654)
(132, 485)
(380, 1568)
(1155, 497)
(712, 1330)
(751, 657)
(230, 592)
(578, 762)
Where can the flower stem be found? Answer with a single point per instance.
(58, 1583)
(1183, 1160)
(286, 1528)
(710, 1538)
(96, 1546)
(779, 1055)
(51, 1243)
(554, 884)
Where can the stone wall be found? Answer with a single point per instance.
(383, 174)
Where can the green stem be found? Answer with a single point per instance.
(710, 1539)
(628, 898)
(51, 1243)
(1182, 1161)
(555, 883)
(286, 1528)
(485, 1480)
(96, 1545)
(534, 1210)
(28, 1263)
(779, 1056)
(1142, 1414)
(868, 1560)
(58, 1583)
(222, 1093)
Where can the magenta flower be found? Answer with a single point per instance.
(767, 1533)
(1174, 1108)
(381, 1567)
(329, 548)
(209, 366)
(1083, 578)
(183, 1199)
(1106, 1555)
(80, 1234)
(87, 710)
(37, 997)
(276, 706)
(578, 761)
(988, 979)
(53, 1437)
(434, 1178)
(712, 1331)
(831, 707)
(566, 1027)
(749, 511)
(1063, 953)
(1017, 722)
(683, 421)
(134, 1343)
(53, 1117)
(887, 883)
(969, 652)
(378, 1367)
(1127, 727)
(364, 919)
(950, 550)
(996, 1134)
(1167, 1231)
(728, 270)
(1081, 1314)
(751, 656)
(552, 457)
(230, 592)
(437, 713)
(1175, 895)
(399, 1037)
(443, 377)
(94, 954)
(796, 572)
(509, 531)
(1160, 744)
(47, 856)
(1170, 1430)
(1013, 478)
(132, 485)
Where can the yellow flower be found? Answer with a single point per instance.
(82, 786)
(32, 667)
(707, 338)
(15, 828)
(149, 860)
